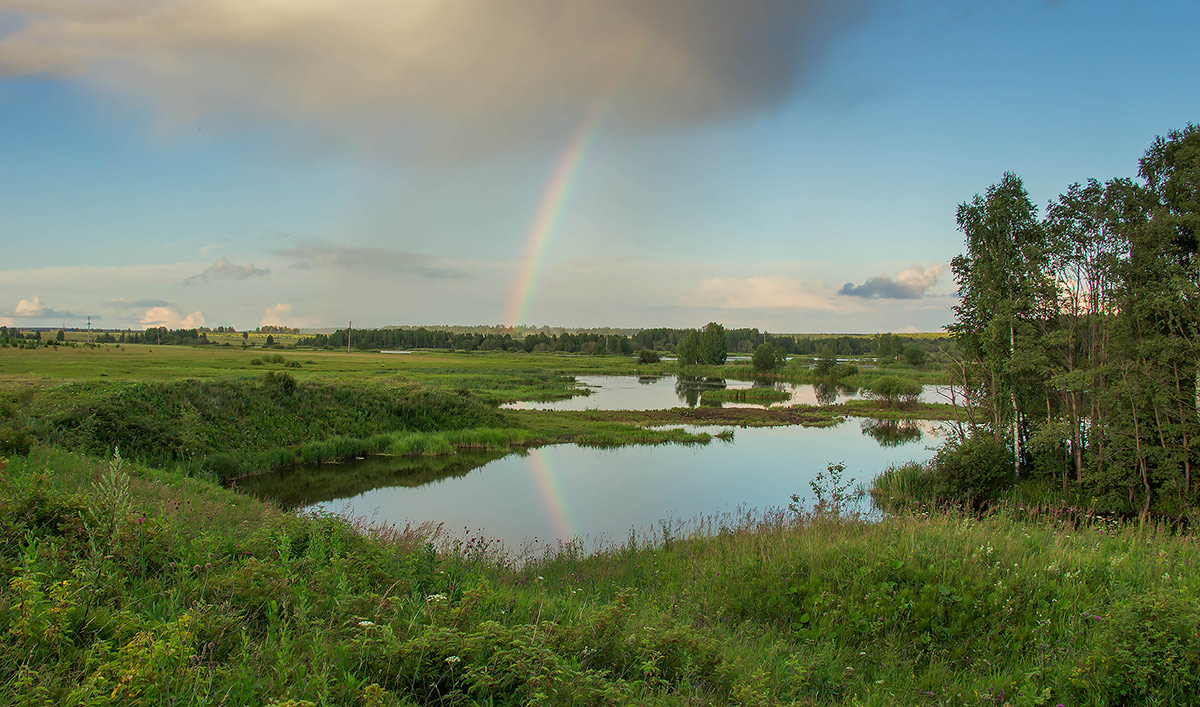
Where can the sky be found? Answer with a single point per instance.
(791, 165)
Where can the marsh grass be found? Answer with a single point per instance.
(764, 396)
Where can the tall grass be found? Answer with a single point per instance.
(129, 585)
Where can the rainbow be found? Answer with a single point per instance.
(546, 479)
(558, 189)
(550, 208)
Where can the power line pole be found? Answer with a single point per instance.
(349, 328)
(89, 328)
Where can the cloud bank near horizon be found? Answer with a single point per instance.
(911, 283)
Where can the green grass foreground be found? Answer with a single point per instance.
(132, 586)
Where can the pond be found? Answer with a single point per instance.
(659, 392)
(564, 492)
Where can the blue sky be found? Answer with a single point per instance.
(289, 163)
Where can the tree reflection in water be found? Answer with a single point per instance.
(689, 388)
(892, 433)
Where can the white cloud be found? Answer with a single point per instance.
(170, 318)
(771, 292)
(459, 74)
(31, 307)
(274, 316)
(6, 321)
(34, 308)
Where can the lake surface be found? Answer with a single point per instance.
(659, 392)
(565, 492)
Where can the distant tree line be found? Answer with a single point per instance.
(1079, 331)
(741, 341)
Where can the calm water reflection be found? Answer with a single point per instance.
(657, 393)
(564, 491)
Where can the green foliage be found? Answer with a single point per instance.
(915, 357)
(766, 358)
(284, 383)
(763, 396)
(1148, 646)
(1078, 335)
(230, 427)
(974, 471)
(689, 351)
(14, 438)
(646, 356)
(894, 392)
(714, 347)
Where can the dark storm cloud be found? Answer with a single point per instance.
(438, 76)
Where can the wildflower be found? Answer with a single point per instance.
(435, 598)
(452, 659)
(364, 623)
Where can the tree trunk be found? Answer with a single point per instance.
(1012, 396)
(1137, 440)
(1076, 438)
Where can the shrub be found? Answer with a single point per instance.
(894, 391)
(767, 358)
(1146, 652)
(14, 439)
(649, 356)
(915, 357)
(284, 382)
(974, 472)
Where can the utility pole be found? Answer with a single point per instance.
(89, 328)
(349, 328)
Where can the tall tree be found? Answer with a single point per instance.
(714, 347)
(1001, 287)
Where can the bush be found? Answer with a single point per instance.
(915, 357)
(1146, 652)
(767, 358)
(894, 391)
(14, 439)
(974, 472)
(284, 382)
(649, 356)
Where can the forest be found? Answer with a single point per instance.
(1078, 329)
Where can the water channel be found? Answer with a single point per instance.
(660, 392)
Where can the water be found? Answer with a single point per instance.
(563, 492)
(659, 392)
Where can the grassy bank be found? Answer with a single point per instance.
(135, 586)
(227, 427)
